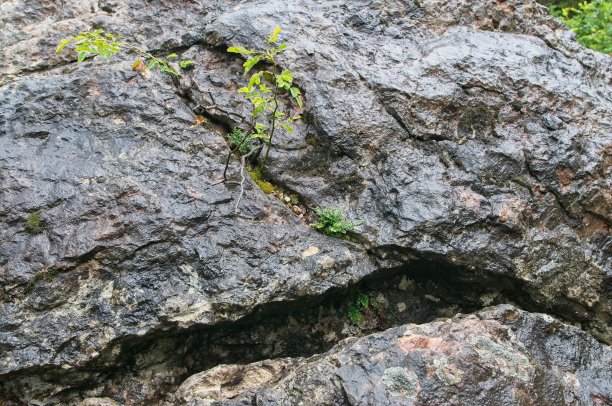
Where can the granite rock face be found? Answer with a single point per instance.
(498, 356)
(472, 135)
(486, 148)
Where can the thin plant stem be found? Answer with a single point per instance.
(273, 117)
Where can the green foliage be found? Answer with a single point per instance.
(264, 88)
(592, 22)
(355, 311)
(92, 43)
(34, 224)
(238, 139)
(97, 43)
(560, 3)
(186, 64)
(354, 314)
(161, 65)
(333, 222)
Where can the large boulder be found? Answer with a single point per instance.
(136, 232)
(498, 356)
(471, 136)
(453, 137)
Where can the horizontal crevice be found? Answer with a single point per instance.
(148, 369)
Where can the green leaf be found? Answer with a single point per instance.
(274, 36)
(82, 55)
(287, 127)
(258, 100)
(287, 77)
(281, 47)
(100, 43)
(168, 69)
(591, 21)
(260, 128)
(186, 64)
(243, 90)
(172, 56)
(294, 91)
(84, 47)
(240, 50)
(258, 110)
(261, 136)
(333, 222)
(255, 80)
(63, 43)
(250, 63)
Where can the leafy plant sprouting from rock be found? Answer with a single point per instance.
(34, 224)
(97, 43)
(263, 92)
(239, 140)
(355, 311)
(332, 221)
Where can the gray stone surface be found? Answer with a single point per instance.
(473, 134)
(139, 234)
(487, 148)
(498, 356)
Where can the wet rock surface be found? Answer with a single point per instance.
(480, 146)
(499, 356)
(474, 135)
(146, 370)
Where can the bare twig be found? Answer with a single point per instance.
(214, 106)
(242, 177)
(220, 182)
(211, 97)
(217, 108)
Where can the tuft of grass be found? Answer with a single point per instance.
(355, 310)
(517, 105)
(34, 224)
(332, 221)
(237, 137)
(46, 276)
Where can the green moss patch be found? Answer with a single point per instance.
(34, 224)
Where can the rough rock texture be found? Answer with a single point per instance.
(499, 356)
(489, 149)
(474, 135)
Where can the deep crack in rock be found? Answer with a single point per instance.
(148, 369)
